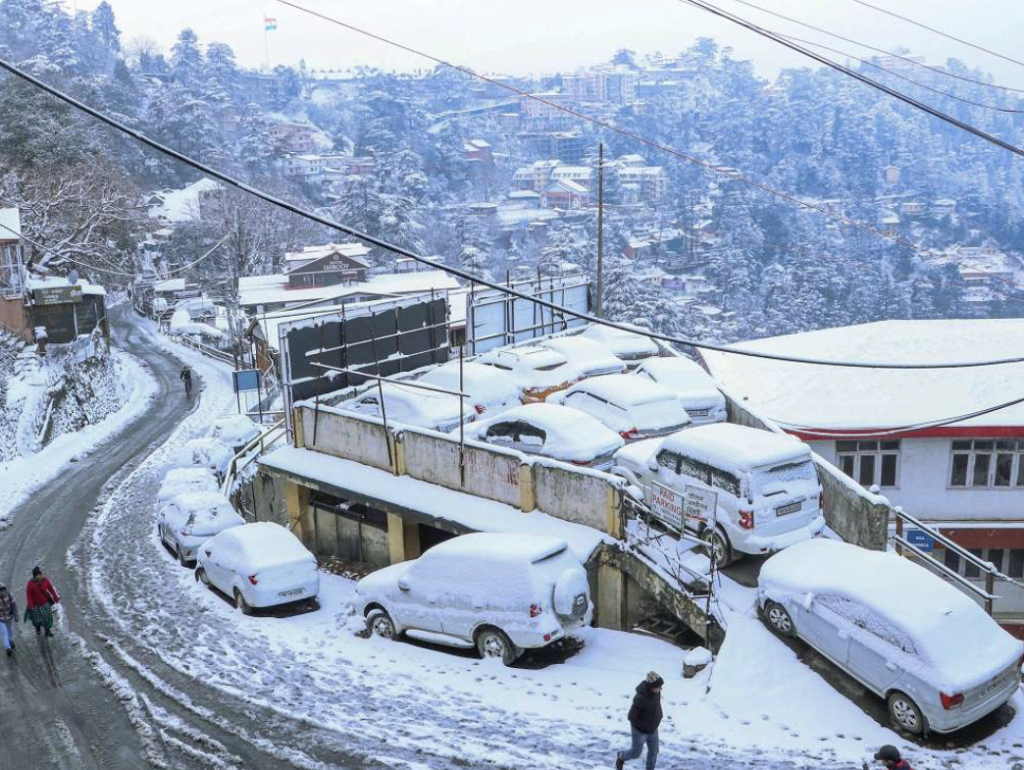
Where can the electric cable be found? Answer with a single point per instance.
(731, 174)
(297, 210)
(939, 32)
(906, 59)
(716, 11)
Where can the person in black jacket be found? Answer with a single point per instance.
(186, 377)
(644, 719)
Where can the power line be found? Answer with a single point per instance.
(919, 84)
(458, 272)
(939, 32)
(611, 127)
(716, 11)
(870, 47)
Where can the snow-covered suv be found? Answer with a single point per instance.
(500, 593)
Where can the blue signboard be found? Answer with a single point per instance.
(921, 539)
(247, 379)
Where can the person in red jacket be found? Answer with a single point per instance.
(890, 757)
(40, 597)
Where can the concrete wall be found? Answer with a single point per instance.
(14, 318)
(350, 436)
(490, 472)
(578, 497)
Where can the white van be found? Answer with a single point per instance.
(742, 490)
(501, 593)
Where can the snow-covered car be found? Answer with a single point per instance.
(234, 430)
(631, 347)
(741, 490)
(553, 431)
(906, 634)
(684, 377)
(413, 406)
(181, 480)
(632, 406)
(259, 565)
(589, 357)
(490, 392)
(500, 593)
(205, 453)
(189, 519)
(536, 371)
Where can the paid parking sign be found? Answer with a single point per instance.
(667, 505)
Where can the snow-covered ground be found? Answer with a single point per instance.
(393, 700)
(20, 476)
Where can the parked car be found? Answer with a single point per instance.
(205, 453)
(259, 565)
(490, 391)
(905, 633)
(536, 371)
(589, 357)
(744, 491)
(631, 347)
(498, 592)
(553, 431)
(189, 519)
(180, 480)
(700, 395)
(632, 406)
(234, 430)
(412, 406)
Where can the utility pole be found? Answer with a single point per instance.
(599, 309)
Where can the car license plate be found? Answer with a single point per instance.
(293, 592)
(785, 510)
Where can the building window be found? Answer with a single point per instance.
(987, 464)
(870, 462)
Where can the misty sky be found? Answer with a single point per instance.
(544, 36)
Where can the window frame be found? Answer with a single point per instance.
(878, 454)
(1016, 468)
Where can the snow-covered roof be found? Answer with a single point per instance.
(523, 194)
(310, 253)
(182, 205)
(169, 284)
(588, 355)
(499, 547)
(566, 185)
(736, 446)
(268, 292)
(840, 398)
(960, 645)
(55, 282)
(10, 224)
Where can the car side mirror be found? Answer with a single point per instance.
(403, 584)
(652, 464)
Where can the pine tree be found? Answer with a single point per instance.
(105, 27)
(187, 60)
(255, 146)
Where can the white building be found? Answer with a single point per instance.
(891, 428)
(535, 176)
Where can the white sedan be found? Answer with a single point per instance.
(189, 519)
(259, 565)
(589, 357)
(536, 371)
(553, 431)
(205, 453)
(413, 406)
(490, 392)
(699, 393)
(234, 430)
(181, 480)
(631, 405)
(631, 347)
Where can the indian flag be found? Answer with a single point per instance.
(269, 24)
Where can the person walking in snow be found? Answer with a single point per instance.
(8, 617)
(890, 757)
(644, 719)
(40, 597)
(186, 377)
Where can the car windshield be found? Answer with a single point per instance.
(784, 477)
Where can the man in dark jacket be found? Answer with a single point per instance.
(890, 757)
(186, 377)
(644, 719)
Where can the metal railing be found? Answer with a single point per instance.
(199, 347)
(988, 569)
(247, 454)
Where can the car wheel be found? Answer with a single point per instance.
(378, 622)
(779, 619)
(905, 714)
(201, 575)
(492, 643)
(716, 539)
(241, 603)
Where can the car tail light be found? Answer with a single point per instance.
(747, 519)
(951, 701)
(534, 610)
(580, 462)
(254, 579)
(821, 499)
(628, 434)
(480, 408)
(547, 637)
